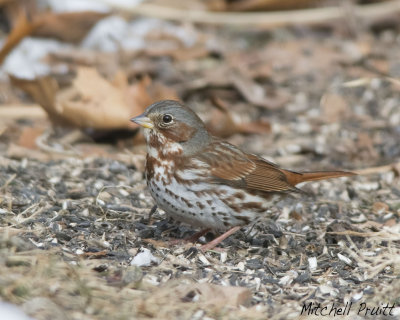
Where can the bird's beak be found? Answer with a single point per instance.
(143, 121)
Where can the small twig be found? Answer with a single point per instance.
(5, 185)
(26, 111)
(264, 19)
(21, 220)
(375, 235)
(380, 169)
(41, 143)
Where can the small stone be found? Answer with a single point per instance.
(144, 259)
(223, 257)
(325, 289)
(344, 259)
(123, 192)
(357, 296)
(117, 167)
(359, 219)
(312, 264)
(240, 266)
(204, 260)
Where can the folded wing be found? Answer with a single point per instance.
(230, 165)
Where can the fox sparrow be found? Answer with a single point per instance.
(206, 182)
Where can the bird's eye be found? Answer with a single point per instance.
(167, 118)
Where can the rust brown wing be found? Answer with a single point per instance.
(230, 165)
(268, 177)
(227, 162)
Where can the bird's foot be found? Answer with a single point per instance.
(192, 239)
(212, 244)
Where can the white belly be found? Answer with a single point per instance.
(197, 205)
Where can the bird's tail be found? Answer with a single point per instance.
(295, 178)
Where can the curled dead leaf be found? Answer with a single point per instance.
(254, 92)
(43, 90)
(92, 101)
(224, 124)
(67, 26)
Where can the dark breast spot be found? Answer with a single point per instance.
(200, 205)
(251, 205)
(239, 195)
(245, 219)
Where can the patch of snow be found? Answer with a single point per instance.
(25, 60)
(113, 33)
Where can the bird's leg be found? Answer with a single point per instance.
(218, 240)
(191, 239)
(152, 210)
(197, 235)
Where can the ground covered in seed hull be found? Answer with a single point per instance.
(80, 239)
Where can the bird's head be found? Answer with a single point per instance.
(169, 125)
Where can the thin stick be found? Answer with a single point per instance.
(264, 19)
(216, 241)
(380, 169)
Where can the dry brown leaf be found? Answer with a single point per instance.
(257, 127)
(93, 102)
(67, 26)
(223, 124)
(254, 92)
(43, 90)
(138, 96)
